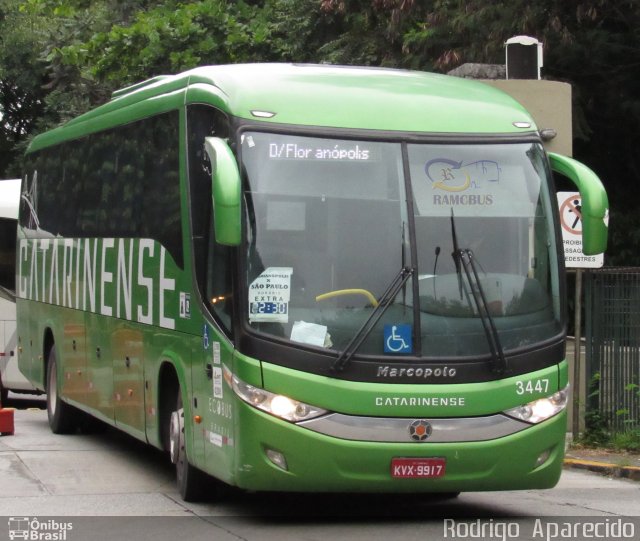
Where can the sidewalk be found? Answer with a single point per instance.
(605, 462)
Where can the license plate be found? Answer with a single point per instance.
(417, 468)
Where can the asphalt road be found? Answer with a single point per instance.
(109, 486)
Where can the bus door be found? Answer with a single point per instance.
(216, 436)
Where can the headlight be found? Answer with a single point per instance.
(541, 409)
(276, 404)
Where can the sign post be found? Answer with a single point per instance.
(570, 207)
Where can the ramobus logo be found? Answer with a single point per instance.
(386, 371)
(38, 530)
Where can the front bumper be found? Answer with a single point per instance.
(322, 463)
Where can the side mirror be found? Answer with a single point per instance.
(595, 205)
(225, 191)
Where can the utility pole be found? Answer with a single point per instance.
(577, 355)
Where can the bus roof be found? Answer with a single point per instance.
(9, 198)
(333, 97)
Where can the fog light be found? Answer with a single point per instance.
(544, 456)
(277, 458)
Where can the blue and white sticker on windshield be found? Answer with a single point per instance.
(269, 296)
(398, 339)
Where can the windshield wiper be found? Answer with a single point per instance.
(464, 259)
(457, 260)
(363, 332)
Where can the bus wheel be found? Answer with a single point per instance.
(190, 479)
(445, 495)
(62, 418)
(4, 394)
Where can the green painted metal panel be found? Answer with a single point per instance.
(339, 465)
(595, 204)
(414, 400)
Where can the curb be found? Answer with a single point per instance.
(605, 468)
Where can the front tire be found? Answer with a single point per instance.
(62, 417)
(190, 479)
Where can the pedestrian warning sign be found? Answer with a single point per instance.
(570, 207)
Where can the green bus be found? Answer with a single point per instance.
(305, 278)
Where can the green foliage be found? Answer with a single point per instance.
(627, 441)
(36, 91)
(60, 58)
(598, 434)
(21, 79)
(171, 38)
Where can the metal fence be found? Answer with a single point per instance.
(612, 328)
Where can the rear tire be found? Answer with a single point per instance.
(191, 481)
(446, 495)
(4, 394)
(62, 417)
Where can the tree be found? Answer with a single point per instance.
(36, 92)
(21, 80)
(60, 58)
(168, 38)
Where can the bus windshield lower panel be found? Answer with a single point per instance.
(328, 225)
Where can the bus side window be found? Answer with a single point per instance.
(54, 207)
(160, 197)
(213, 261)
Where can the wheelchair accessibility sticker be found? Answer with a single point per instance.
(397, 339)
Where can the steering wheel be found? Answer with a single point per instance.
(342, 292)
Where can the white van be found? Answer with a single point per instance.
(11, 379)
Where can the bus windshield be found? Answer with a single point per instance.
(331, 223)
